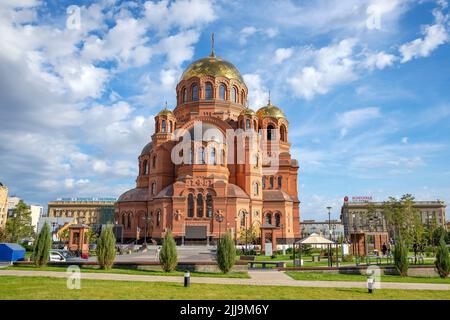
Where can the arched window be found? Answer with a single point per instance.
(194, 92)
(279, 182)
(222, 92)
(255, 160)
(199, 205)
(234, 95)
(243, 97)
(170, 126)
(271, 182)
(158, 218)
(283, 133)
(269, 218)
(145, 167)
(242, 215)
(163, 126)
(184, 95)
(208, 91)
(190, 205)
(212, 159)
(269, 131)
(191, 160)
(264, 183)
(129, 221)
(154, 162)
(153, 188)
(256, 188)
(247, 124)
(209, 205)
(201, 156)
(277, 219)
(124, 219)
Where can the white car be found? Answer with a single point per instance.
(56, 256)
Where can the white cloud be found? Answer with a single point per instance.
(282, 54)
(355, 118)
(258, 93)
(379, 60)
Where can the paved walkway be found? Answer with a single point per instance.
(258, 278)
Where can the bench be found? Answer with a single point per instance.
(264, 264)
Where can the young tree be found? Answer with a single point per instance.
(19, 226)
(168, 253)
(42, 246)
(442, 261)
(226, 253)
(3, 235)
(106, 248)
(401, 257)
(248, 236)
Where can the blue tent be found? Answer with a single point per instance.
(11, 252)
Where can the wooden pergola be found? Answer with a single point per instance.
(315, 239)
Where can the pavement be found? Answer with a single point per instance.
(257, 278)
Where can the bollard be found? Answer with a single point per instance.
(187, 279)
(370, 282)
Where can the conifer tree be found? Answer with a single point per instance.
(401, 257)
(42, 246)
(442, 261)
(226, 253)
(168, 253)
(106, 248)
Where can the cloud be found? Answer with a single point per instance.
(258, 93)
(282, 54)
(379, 60)
(355, 118)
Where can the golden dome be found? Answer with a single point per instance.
(165, 112)
(247, 112)
(270, 111)
(212, 66)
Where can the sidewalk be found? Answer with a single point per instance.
(258, 278)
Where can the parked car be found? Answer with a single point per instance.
(56, 256)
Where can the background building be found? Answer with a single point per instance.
(12, 204)
(37, 212)
(322, 228)
(3, 205)
(84, 210)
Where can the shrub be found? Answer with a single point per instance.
(347, 258)
(42, 246)
(168, 253)
(226, 253)
(106, 248)
(442, 261)
(401, 257)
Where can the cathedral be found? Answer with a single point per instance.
(214, 165)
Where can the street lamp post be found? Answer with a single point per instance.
(330, 261)
(219, 219)
(146, 219)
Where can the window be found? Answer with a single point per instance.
(243, 97)
(191, 205)
(201, 156)
(255, 160)
(184, 95)
(247, 124)
(256, 188)
(269, 131)
(255, 125)
(194, 92)
(163, 126)
(264, 183)
(124, 219)
(279, 182)
(242, 214)
(158, 218)
(170, 126)
(153, 188)
(129, 221)
(199, 205)
(277, 219)
(269, 218)
(234, 95)
(154, 162)
(145, 167)
(222, 92)
(283, 133)
(271, 182)
(209, 206)
(212, 159)
(208, 91)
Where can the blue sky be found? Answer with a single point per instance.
(365, 86)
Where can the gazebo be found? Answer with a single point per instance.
(315, 239)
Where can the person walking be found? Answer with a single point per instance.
(384, 249)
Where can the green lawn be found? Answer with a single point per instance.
(243, 275)
(53, 288)
(324, 276)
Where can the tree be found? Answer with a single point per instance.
(3, 235)
(442, 261)
(439, 233)
(226, 253)
(92, 236)
(19, 226)
(106, 248)
(248, 236)
(168, 253)
(401, 257)
(42, 246)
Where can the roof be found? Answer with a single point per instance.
(147, 148)
(276, 195)
(314, 238)
(270, 111)
(233, 191)
(134, 195)
(166, 192)
(212, 66)
(12, 246)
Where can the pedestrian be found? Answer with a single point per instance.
(384, 249)
(158, 249)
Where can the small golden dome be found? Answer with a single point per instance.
(247, 112)
(270, 111)
(212, 66)
(165, 112)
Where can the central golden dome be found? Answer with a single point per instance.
(212, 66)
(270, 111)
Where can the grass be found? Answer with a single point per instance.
(325, 276)
(31, 288)
(242, 275)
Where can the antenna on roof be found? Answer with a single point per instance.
(213, 53)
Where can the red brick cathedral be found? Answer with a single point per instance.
(214, 165)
